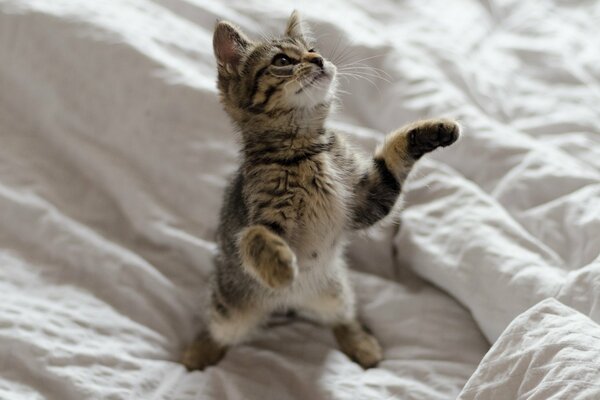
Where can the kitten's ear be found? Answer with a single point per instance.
(229, 44)
(296, 28)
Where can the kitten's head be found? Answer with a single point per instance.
(286, 74)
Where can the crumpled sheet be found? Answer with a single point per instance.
(549, 352)
(114, 154)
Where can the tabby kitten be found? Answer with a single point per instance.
(299, 191)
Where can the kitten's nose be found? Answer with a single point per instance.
(315, 59)
(318, 61)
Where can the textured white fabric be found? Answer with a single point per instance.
(513, 215)
(548, 352)
(114, 153)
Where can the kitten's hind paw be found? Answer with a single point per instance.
(267, 257)
(358, 344)
(202, 353)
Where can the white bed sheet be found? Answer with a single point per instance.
(115, 153)
(549, 352)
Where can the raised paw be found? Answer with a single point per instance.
(202, 353)
(358, 344)
(428, 135)
(267, 257)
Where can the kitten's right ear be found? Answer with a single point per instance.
(229, 44)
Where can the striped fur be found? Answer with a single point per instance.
(298, 192)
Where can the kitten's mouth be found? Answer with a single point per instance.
(319, 76)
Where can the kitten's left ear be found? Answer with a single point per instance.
(296, 28)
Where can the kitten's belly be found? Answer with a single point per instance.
(318, 240)
(319, 259)
(319, 256)
(315, 275)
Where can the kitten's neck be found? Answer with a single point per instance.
(285, 128)
(285, 137)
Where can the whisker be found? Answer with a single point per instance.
(368, 58)
(369, 68)
(345, 53)
(366, 74)
(358, 77)
(338, 90)
(335, 48)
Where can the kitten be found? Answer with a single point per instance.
(298, 193)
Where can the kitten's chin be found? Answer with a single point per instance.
(315, 91)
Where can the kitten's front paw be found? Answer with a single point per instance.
(267, 257)
(428, 135)
(279, 266)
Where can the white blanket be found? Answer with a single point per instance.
(114, 153)
(548, 352)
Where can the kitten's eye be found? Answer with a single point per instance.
(312, 51)
(281, 60)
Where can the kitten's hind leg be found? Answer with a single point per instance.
(227, 327)
(335, 307)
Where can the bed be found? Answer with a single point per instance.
(114, 153)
